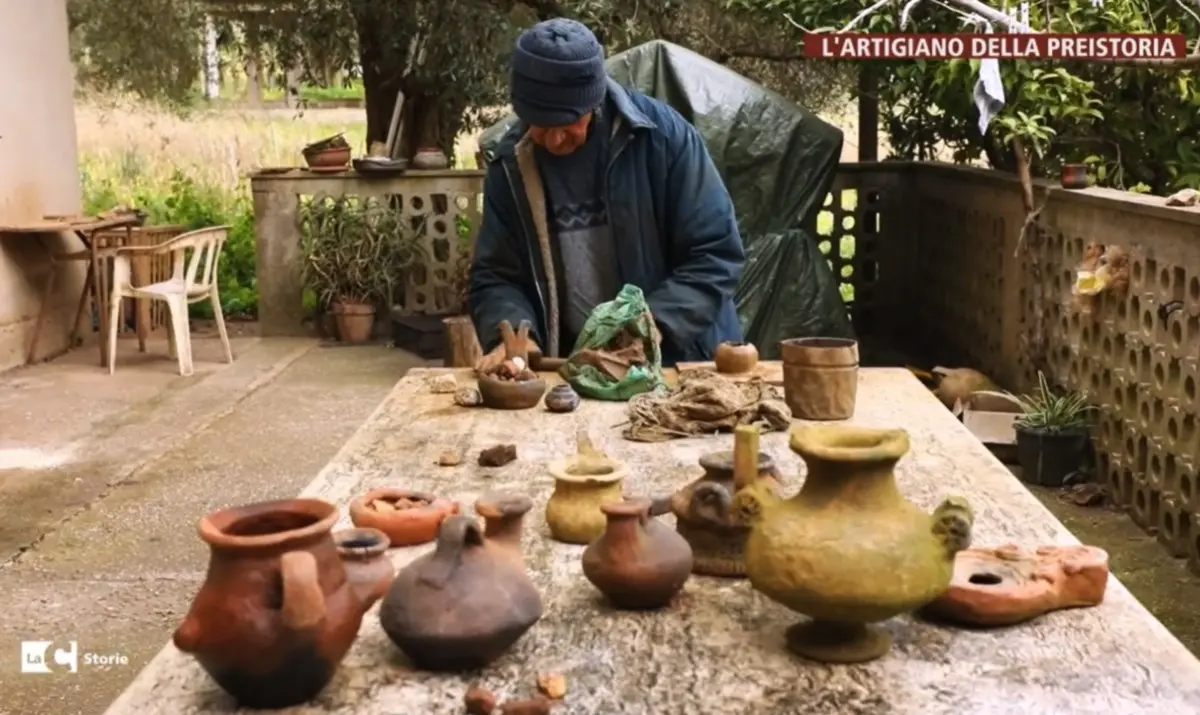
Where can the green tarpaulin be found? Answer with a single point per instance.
(778, 162)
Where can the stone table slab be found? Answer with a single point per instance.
(719, 648)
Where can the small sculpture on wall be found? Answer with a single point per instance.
(1102, 270)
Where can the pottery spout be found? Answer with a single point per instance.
(303, 601)
(952, 522)
(503, 515)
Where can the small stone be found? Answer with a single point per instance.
(383, 506)
(468, 397)
(443, 384)
(552, 685)
(449, 458)
(533, 706)
(479, 701)
(498, 455)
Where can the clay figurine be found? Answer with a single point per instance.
(364, 556)
(849, 550)
(407, 518)
(470, 600)
(638, 562)
(1008, 585)
(276, 613)
(512, 385)
(735, 358)
(703, 513)
(562, 398)
(582, 483)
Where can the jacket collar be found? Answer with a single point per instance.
(629, 113)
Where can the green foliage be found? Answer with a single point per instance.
(188, 204)
(1133, 124)
(1046, 411)
(356, 250)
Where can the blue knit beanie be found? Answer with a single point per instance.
(557, 73)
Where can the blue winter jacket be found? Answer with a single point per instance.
(672, 220)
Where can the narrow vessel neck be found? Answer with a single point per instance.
(622, 527)
(851, 482)
(505, 530)
(566, 487)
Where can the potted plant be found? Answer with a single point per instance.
(356, 252)
(1053, 435)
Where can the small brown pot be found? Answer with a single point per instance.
(354, 321)
(735, 358)
(638, 562)
(429, 159)
(1074, 176)
(562, 398)
(364, 556)
(820, 377)
(403, 527)
(511, 394)
(332, 157)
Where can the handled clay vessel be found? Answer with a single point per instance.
(849, 550)
(582, 484)
(276, 613)
(638, 562)
(703, 509)
(466, 603)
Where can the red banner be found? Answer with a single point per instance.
(865, 46)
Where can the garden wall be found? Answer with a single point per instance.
(929, 260)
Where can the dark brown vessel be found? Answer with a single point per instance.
(638, 562)
(468, 602)
(276, 613)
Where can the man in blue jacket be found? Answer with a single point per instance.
(598, 186)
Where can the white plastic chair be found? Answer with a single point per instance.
(196, 282)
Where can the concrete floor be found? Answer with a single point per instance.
(102, 480)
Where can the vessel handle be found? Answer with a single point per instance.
(303, 600)
(455, 535)
(710, 502)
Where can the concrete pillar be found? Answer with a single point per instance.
(212, 60)
(39, 172)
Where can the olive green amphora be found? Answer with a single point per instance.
(848, 550)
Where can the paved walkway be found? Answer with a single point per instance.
(102, 480)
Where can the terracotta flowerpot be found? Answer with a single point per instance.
(820, 377)
(354, 321)
(364, 556)
(406, 523)
(735, 358)
(638, 562)
(849, 550)
(466, 603)
(332, 157)
(276, 613)
(703, 509)
(1074, 176)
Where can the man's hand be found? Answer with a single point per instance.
(513, 345)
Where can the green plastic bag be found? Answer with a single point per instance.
(626, 316)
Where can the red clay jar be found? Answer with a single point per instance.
(1074, 176)
(276, 613)
(364, 556)
(638, 562)
(735, 358)
(403, 527)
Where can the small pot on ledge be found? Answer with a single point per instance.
(733, 358)
(430, 158)
(1074, 176)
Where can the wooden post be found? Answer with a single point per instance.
(460, 341)
(868, 113)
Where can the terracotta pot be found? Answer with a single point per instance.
(354, 321)
(364, 556)
(637, 563)
(820, 377)
(276, 613)
(403, 527)
(335, 156)
(582, 484)
(429, 159)
(562, 398)
(849, 550)
(1074, 176)
(511, 394)
(464, 605)
(1009, 585)
(703, 509)
(735, 358)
